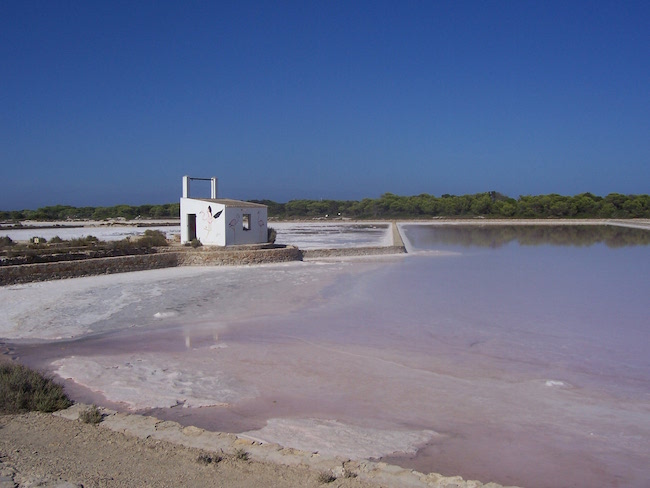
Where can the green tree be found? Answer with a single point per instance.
(481, 204)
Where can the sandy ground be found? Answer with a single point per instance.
(44, 450)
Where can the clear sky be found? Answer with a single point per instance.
(109, 102)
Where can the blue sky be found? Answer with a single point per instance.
(112, 102)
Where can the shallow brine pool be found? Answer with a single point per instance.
(514, 356)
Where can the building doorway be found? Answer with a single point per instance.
(191, 227)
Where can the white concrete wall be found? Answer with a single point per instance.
(227, 228)
(209, 230)
(235, 233)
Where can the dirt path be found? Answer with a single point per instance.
(47, 451)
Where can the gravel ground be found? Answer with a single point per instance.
(47, 451)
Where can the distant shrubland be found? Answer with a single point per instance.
(388, 206)
(489, 205)
(66, 212)
(39, 250)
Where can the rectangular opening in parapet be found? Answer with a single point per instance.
(201, 188)
(246, 221)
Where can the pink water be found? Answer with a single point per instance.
(520, 365)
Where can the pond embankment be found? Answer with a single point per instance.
(164, 258)
(168, 257)
(396, 247)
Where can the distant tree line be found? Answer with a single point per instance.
(66, 212)
(489, 204)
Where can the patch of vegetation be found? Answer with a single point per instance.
(150, 239)
(488, 204)
(195, 243)
(349, 474)
(91, 415)
(79, 248)
(241, 455)
(326, 477)
(87, 241)
(491, 204)
(208, 459)
(25, 390)
(6, 241)
(66, 212)
(153, 238)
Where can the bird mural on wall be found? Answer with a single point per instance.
(216, 215)
(232, 224)
(209, 218)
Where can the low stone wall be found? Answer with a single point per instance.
(27, 273)
(87, 267)
(397, 248)
(209, 257)
(397, 237)
(377, 473)
(352, 251)
(170, 257)
(71, 255)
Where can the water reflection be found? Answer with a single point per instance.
(495, 236)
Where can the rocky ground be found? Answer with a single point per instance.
(48, 451)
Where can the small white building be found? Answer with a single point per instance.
(221, 221)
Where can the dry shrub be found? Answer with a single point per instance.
(91, 415)
(26, 390)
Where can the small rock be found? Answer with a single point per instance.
(192, 431)
(7, 482)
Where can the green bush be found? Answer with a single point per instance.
(125, 244)
(88, 241)
(153, 238)
(195, 243)
(56, 240)
(25, 390)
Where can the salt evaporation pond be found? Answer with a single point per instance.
(319, 235)
(515, 356)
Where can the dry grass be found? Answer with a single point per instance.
(241, 455)
(325, 477)
(91, 415)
